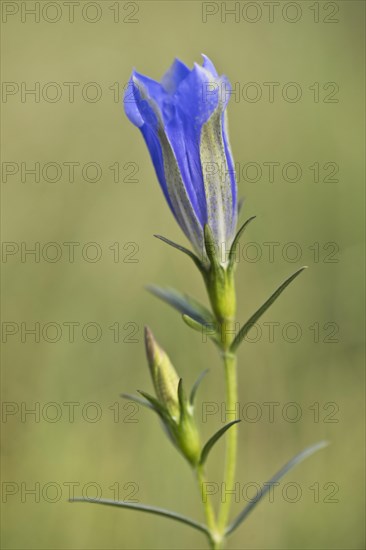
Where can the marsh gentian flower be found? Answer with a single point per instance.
(184, 123)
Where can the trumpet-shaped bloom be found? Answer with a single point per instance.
(184, 123)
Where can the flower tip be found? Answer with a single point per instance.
(150, 342)
(208, 65)
(206, 59)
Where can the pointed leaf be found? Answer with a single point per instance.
(196, 386)
(146, 508)
(183, 303)
(287, 467)
(236, 241)
(183, 249)
(137, 399)
(207, 329)
(211, 442)
(254, 318)
(198, 327)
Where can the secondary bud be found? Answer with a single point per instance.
(163, 374)
(172, 405)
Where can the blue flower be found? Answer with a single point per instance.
(184, 123)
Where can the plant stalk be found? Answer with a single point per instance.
(231, 442)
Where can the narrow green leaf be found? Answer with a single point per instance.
(211, 442)
(206, 329)
(137, 399)
(149, 509)
(183, 249)
(286, 468)
(254, 318)
(236, 241)
(196, 386)
(183, 303)
(192, 323)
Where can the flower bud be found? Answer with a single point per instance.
(163, 374)
(172, 405)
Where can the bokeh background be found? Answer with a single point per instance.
(107, 444)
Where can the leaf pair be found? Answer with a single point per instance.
(199, 318)
(200, 527)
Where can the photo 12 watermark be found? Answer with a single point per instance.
(69, 171)
(53, 492)
(44, 12)
(270, 12)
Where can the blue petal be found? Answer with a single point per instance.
(187, 156)
(209, 66)
(198, 95)
(141, 114)
(230, 161)
(196, 99)
(131, 108)
(154, 89)
(231, 169)
(173, 178)
(174, 76)
(154, 146)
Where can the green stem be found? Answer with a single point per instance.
(231, 443)
(215, 538)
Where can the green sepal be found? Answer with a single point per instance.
(185, 250)
(247, 326)
(196, 386)
(185, 431)
(219, 281)
(181, 397)
(231, 264)
(211, 251)
(286, 468)
(211, 442)
(137, 399)
(156, 405)
(183, 303)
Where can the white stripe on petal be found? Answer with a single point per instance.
(217, 182)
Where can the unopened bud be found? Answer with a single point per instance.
(163, 374)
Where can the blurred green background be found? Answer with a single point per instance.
(124, 448)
